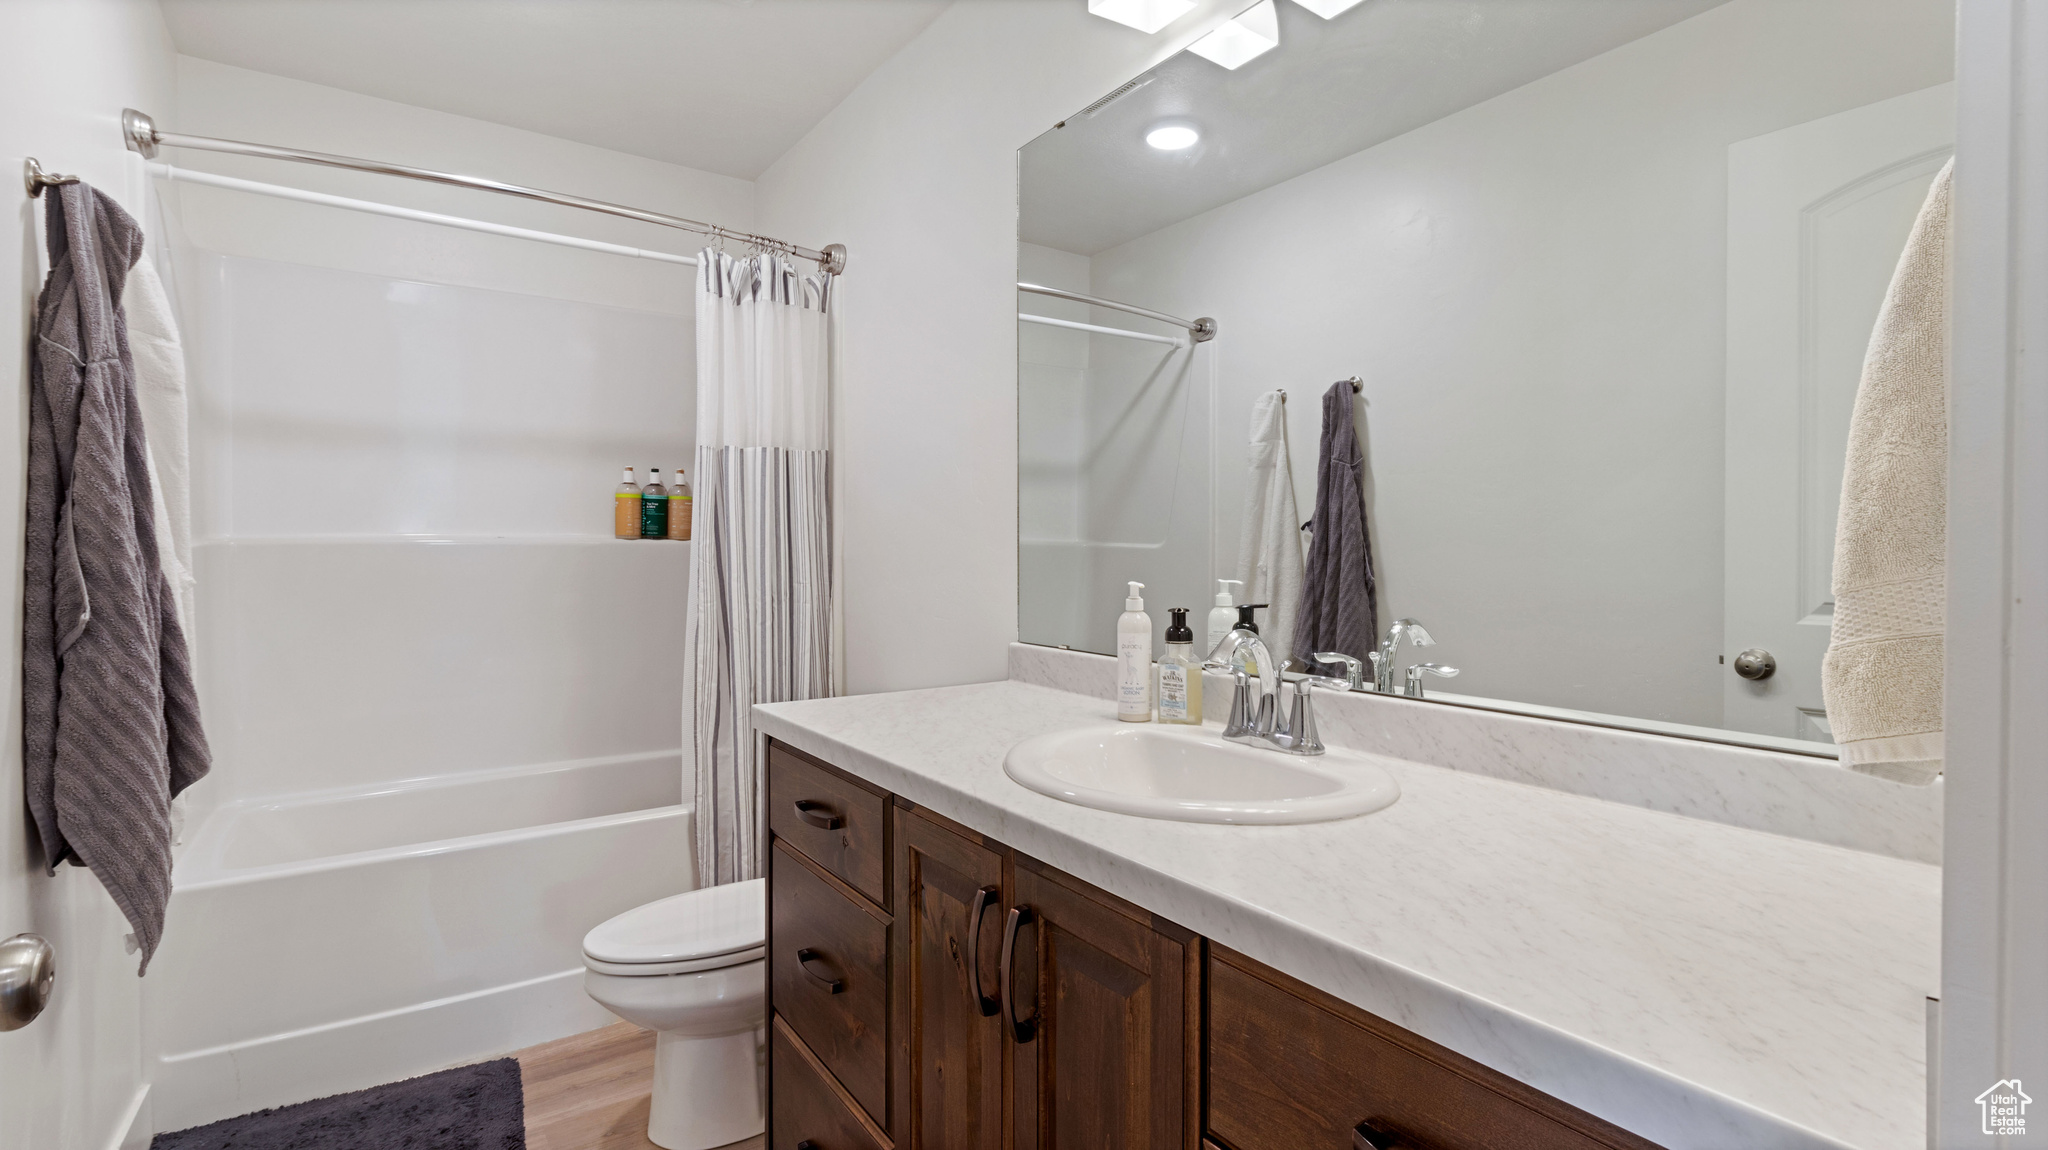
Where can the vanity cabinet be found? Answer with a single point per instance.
(932, 988)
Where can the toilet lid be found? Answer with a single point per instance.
(699, 924)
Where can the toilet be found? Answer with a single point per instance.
(691, 969)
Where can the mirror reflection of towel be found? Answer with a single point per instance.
(1269, 542)
(1337, 611)
(1882, 677)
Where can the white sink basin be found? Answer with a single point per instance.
(1191, 775)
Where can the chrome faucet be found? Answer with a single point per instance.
(1383, 660)
(1256, 720)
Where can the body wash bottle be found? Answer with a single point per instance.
(1180, 673)
(1223, 616)
(679, 509)
(626, 508)
(1134, 660)
(654, 507)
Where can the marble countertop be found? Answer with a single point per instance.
(1707, 986)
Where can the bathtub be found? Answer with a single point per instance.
(330, 940)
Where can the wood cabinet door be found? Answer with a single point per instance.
(1103, 1015)
(949, 924)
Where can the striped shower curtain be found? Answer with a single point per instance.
(761, 617)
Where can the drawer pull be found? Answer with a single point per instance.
(813, 962)
(1023, 1029)
(984, 898)
(1374, 1134)
(818, 815)
(807, 1144)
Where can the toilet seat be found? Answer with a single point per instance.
(708, 929)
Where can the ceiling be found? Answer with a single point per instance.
(725, 86)
(1330, 89)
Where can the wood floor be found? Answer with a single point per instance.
(589, 1091)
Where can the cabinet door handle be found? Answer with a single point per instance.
(813, 962)
(1022, 1029)
(983, 899)
(818, 815)
(807, 1144)
(1376, 1134)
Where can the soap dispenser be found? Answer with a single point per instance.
(1246, 623)
(1223, 616)
(1134, 660)
(1180, 673)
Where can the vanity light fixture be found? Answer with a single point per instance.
(1147, 16)
(1329, 8)
(1171, 137)
(1251, 33)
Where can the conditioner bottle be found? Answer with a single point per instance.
(1180, 673)
(654, 507)
(1134, 660)
(626, 508)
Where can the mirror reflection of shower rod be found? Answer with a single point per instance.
(1200, 330)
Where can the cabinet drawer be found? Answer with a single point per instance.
(1292, 1069)
(839, 824)
(808, 1110)
(828, 970)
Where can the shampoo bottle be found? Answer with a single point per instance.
(1180, 673)
(654, 507)
(1134, 660)
(1223, 616)
(626, 508)
(679, 509)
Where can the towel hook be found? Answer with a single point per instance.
(1357, 384)
(36, 179)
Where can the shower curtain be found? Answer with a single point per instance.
(761, 618)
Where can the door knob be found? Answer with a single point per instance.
(1756, 664)
(28, 970)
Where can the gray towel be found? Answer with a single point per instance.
(1338, 590)
(110, 722)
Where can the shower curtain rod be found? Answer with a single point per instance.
(1098, 329)
(144, 137)
(1200, 330)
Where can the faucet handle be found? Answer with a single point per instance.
(1415, 671)
(1354, 669)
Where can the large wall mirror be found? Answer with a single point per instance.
(1604, 272)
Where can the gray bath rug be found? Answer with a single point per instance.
(477, 1107)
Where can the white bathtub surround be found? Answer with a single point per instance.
(1704, 985)
(762, 613)
(1882, 676)
(1802, 796)
(329, 941)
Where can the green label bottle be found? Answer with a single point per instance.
(654, 508)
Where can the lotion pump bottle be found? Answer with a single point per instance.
(1223, 616)
(1180, 673)
(626, 508)
(1134, 660)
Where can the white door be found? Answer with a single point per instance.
(1817, 217)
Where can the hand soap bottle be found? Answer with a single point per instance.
(1134, 660)
(1223, 616)
(654, 507)
(626, 508)
(1180, 673)
(679, 509)
(1246, 623)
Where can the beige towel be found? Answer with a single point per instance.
(1269, 539)
(1882, 676)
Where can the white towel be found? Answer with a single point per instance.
(160, 392)
(1269, 543)
(1882, 676)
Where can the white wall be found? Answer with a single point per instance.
(1533, 289)
(916, 173)
(70, 1080)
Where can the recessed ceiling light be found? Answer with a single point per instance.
(1147, 16)
(1172, 137)
(1252, 32)
(1329, 8)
